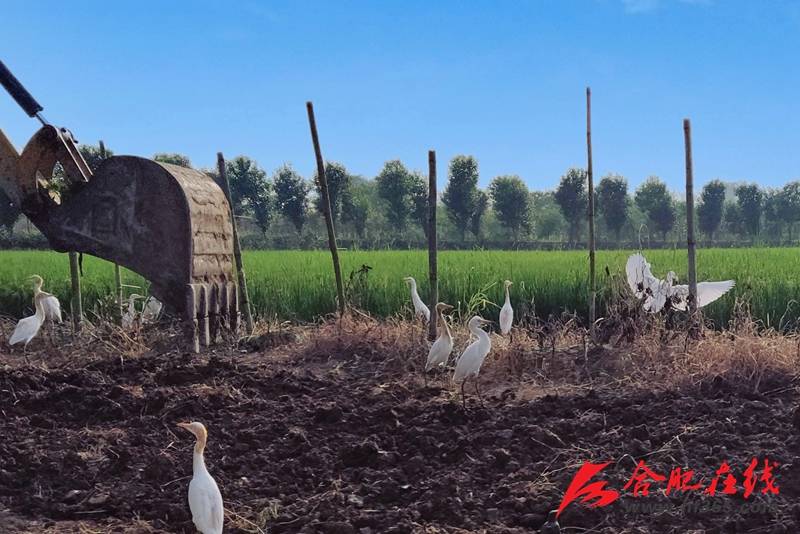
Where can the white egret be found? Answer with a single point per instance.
(151, 310)
(443, 346)
(205, 500)
(420, 309)
(28, 327)
(470, 361)
(130, 314)
(707, 292)
(506, 312)
(657, 293)
(50, 303)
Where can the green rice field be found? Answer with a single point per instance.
(298, 285)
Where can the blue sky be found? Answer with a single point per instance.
(501, 80)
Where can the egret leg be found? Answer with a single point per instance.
(25, 354)
(478, 389)
(425, 376)
(463, 394)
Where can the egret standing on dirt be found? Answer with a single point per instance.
(656, 293)
(28, 327)
(420, 309)
(443, 346)
(50, 303)
(205, 500)
(130, 314)
(470, 361)
(506, 312)
(151, 310)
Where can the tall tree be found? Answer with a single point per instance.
(572, 198)
(291, 196)
(711, 208)
(773, 222)
(547, 218)
(511, 202)
(395, 187)
(750, 201)
(251, 192)
(732, 219)
(460, 196)
(612, 202)
(789, 205)
(655, 201)
(419, 199)
(175, 159)
(339, 181)
(357, 204)
(8, 214)
(481, 206)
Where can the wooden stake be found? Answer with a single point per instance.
(592, 281)
(326, 207)
(77, 304)
(244, 296)
(687, 139)
(432, 249)
(117, 271)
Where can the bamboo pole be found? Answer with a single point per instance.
(326, 207)
(432, 248)
(76, 304)
(690, 242)
(592, 280)
(117, 270)
(244, 296)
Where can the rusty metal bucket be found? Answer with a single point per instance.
(170, 224)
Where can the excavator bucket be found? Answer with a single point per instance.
(170, 224)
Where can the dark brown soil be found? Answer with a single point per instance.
(337, 436)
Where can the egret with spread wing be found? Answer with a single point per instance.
(657, 293)
(707, 292)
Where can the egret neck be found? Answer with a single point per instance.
(480, 333)
(446, 334)
(38, 300)
(198, 461)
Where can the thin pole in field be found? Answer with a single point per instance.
(326, 207)
(244, 296)
(432, 260)
(690, 242)
(117, 272)
(77, 304)
(592, 281)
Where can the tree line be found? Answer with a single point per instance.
(282, 209)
